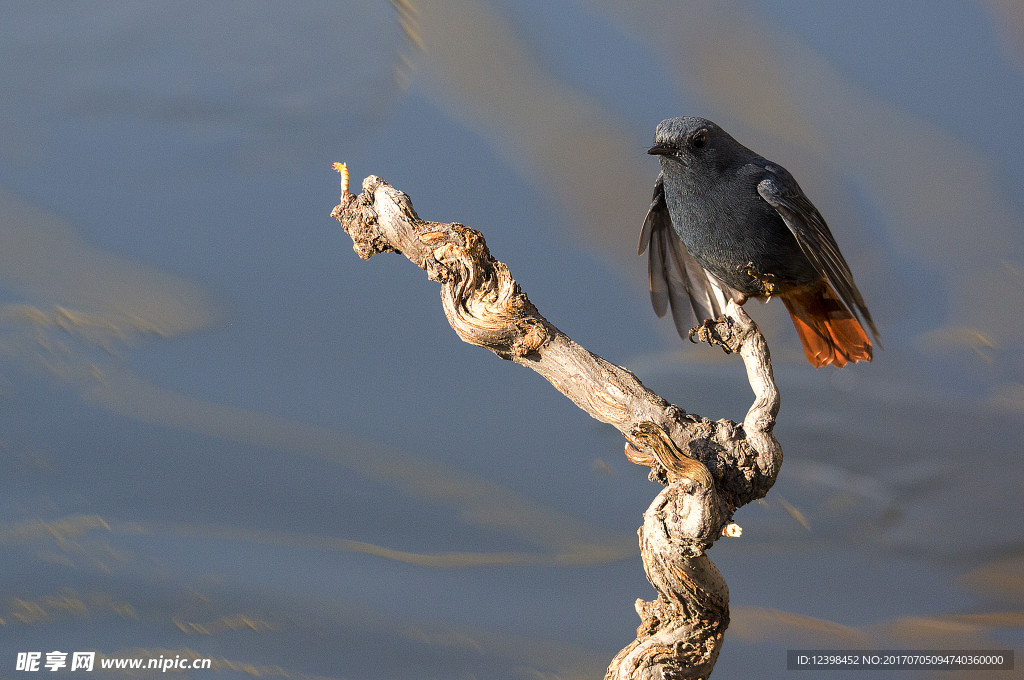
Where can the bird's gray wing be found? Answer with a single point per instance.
(808, 226)
(677, 280)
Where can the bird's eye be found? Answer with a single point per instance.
(700, 138)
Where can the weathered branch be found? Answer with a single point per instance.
(710, 467)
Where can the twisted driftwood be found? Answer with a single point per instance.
(710, 468)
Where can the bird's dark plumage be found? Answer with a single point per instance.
(726, 223)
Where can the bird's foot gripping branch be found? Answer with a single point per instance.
(710, 468)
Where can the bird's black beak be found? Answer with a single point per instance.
(661, 150)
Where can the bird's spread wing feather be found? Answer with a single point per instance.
(782, 192)
(677, 280)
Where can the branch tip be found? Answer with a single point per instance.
(732, 530)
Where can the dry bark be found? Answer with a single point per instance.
(710, 468)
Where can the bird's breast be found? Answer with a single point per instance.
(736, 235)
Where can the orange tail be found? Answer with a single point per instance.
(828, 331)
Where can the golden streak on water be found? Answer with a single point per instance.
(54, 608)
(13, 533)
(224, 623)
(91, 291)
(793, 512)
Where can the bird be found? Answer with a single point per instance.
(727, 224)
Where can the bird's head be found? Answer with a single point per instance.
(691, 142)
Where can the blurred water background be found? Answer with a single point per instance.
(223, 434)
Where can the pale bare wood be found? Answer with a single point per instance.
(710, 467)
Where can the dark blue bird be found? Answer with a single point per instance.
(726, 223)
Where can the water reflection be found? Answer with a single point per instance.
(1008, 22)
